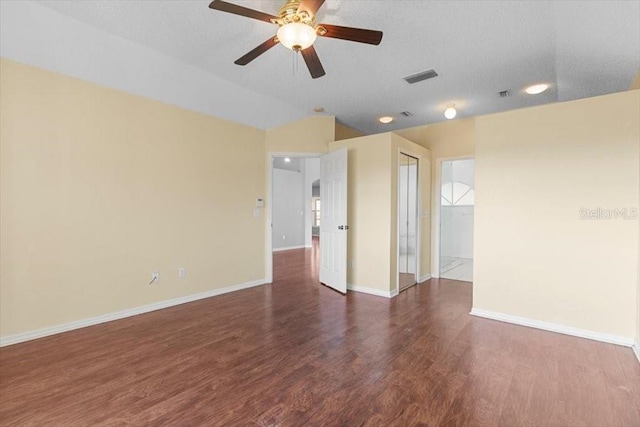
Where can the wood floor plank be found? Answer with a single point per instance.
(296, 353)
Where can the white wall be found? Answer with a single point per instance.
(456, 222)
(312, 173)
(288, 209)
(456, 231)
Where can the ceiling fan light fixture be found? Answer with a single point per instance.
(450, 112)
(297, 36)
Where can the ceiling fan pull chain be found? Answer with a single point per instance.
(295, 62)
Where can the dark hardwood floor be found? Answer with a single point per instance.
(296, 353)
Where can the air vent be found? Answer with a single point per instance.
(504, 93)
(425, 75)
(406, 114)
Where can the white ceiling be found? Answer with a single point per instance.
(292, 165)
(478, 48)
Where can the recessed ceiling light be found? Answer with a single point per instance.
(319, 110)
(286, 159)
(385, 119)
(536, 89)
(450, 113)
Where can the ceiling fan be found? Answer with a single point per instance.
(298, 30)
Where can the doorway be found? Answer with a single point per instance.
(407, 221)
(293, 184)
(332, 208)
(457, 199)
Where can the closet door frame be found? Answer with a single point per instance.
(418, 213)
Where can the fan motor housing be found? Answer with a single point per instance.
(289, 14)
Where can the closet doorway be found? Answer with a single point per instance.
(407, 221)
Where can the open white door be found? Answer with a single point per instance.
(333, 223)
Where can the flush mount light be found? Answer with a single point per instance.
(450, 112)
(536, 89)
(286, 159)
(297, 36)
(385, 119)
(319, 109)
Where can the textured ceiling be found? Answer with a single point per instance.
(478, 48)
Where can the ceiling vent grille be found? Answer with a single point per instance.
(425, 75)
(406, 114)
(504, 93)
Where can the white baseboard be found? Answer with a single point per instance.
(553, 327)
(636, 350)
(370, 291)
(424, 278)
(52, 330)
(288, 248)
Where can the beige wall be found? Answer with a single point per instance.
(635, 84)
(373, 208)
(448, 139)
(310, 135)
(369, 213)
(400, 144)
(100, 188)
(535, 169)
(346, 132)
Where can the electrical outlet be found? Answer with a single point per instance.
(352, 263)
(182, 272)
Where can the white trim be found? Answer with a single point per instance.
(65, 327)
(435, 214)
(424, 278)
(288, 248)
(636, 350)
(372, 291)
(553, 327)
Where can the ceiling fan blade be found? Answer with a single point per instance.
(352, 34)
(313, 62)
(310, 6)
(240, 10)
(256, 52)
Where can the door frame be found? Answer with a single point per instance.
(435, 225)
(268, 225)
(419, 214)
